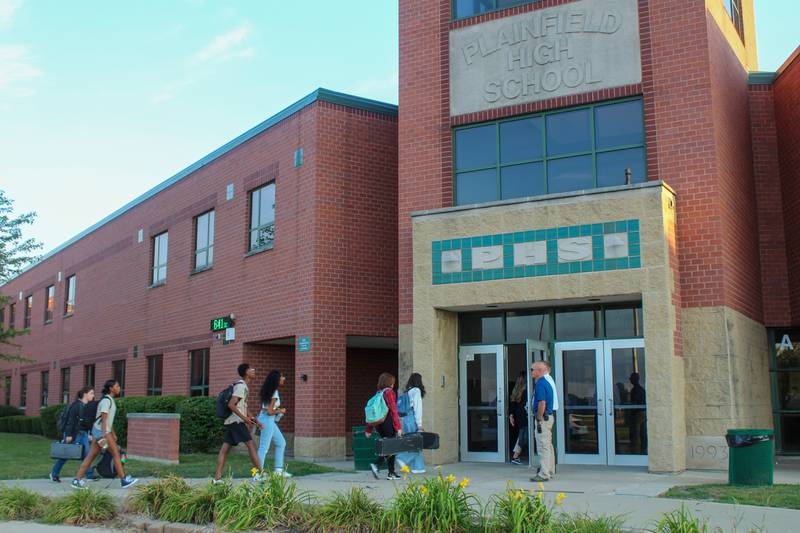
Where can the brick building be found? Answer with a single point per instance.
(604, 184)
(290, 228)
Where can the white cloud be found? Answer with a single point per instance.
(16, 70)
(226, 46)
(169, 90)
(7, 10)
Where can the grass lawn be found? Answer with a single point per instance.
(786, 496)
(28, 457)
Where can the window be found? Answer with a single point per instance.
(198, 372)
(12, 318)
(568, 150)
(88, 376)
(7, 386)
(155, 374)
(65, 385)
(160, 244)
(204, 241)
(45, 388)
(469, 8)
(28, 312)
(734, 8)
(2, 316)
(69, 297)
(23, 391)
(785, 376)
(262, 217)
(118, 374)
(49, 303)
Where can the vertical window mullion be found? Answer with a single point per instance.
(594, 147)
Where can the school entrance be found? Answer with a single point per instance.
(601, 383)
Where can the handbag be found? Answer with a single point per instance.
(62, 450)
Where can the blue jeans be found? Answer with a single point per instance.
(271, 433)
(81, 438)
(413, 460)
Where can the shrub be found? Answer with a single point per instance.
(201, 430)
(680, 521)
(9, 410)
(148, 499)
(21, 424)
(583, 523)
(49, 416)
(195, 506)
(269, 504)
(433, 504)
(519, 511)
(352, 512)
(161, 404)
(81, 507)
(17, 503)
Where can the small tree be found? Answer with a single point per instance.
(15, 254)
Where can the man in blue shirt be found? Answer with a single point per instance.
(542, 407)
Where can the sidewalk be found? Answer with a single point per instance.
(627, 491)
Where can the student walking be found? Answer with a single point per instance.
(76, 429)
(238, 424)
(416, 392)
(519, 416)
(104, 437)
(270, 415)
(390, 427)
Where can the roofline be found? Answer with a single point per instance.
(761, 78)
(789, 61)
(320, 94)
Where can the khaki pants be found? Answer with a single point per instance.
(544, 448)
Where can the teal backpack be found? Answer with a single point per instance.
(376, 409)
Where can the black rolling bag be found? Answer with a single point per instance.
(430, 441)
(394, 445)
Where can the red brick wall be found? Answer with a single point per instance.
(772, 238)
(364, 365)
(154, 437)
(787, 119)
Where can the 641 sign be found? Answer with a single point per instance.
(221, 323)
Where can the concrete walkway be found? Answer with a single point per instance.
(626, 491)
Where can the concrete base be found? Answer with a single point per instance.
(153, 460)
(316, 448)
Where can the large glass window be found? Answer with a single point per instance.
(160, 246)
(734, 8)
(204, 241)
(785, 373)
(12, 316)
(88, 376)
(69, 297)
(49, 303)
(262, 217)
(44, 388)
(2, 317)
(600, 145)
(7, 385)
(118, 374)
(65, 385)
(23, 391)
(482, 329)
(469, 8)
(26, 319)
(155, 374)
(198, 372)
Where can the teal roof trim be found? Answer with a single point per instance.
(323, 95)
(761, 78)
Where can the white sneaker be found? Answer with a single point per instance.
(217, 481)
(257, 477)
(282, 473)
(418, 471)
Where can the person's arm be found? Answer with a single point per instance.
(416, 403)
(72, 417)
(271, 408)
(391, 403)
(540, 407)
(103, 420)
(235, 410)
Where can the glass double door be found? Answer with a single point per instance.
(603, 414)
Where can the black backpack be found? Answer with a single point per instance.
(61, 423)
(89, 415)
(105, 466)
(223, 398)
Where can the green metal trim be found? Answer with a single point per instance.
(761, 78)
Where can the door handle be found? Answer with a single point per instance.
(610, 407)
(600, 406)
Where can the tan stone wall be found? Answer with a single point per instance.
(434, 332)
(313, 448)
(727, 372)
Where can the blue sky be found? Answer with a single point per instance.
(100, 100)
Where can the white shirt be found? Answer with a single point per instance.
(240, 390)
(555, 391)
(277, 397)
(106, 405)
(415, 398)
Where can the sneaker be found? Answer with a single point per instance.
(282, 473)
(392, 476)
(257, 477)
(78, 484)
(418, 471)
(538, 478)
(54, 479)
(374, 469)
(217, 482)
(127, 482)
(516, 461)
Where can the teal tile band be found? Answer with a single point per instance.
(459, 253)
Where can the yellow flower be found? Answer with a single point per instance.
(541, 486)
(450, 478)
(464, 482)
(539, 496)
(424, 490)
(253, 471)
(405, 469)
(560, 498)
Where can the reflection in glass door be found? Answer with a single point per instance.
(627, 402)
(481, 375)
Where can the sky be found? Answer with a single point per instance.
(101, 100)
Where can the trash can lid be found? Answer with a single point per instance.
(750, 432)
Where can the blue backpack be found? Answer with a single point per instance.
(406, 413)
(376, 410)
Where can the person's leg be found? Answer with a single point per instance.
(114, 451)
(94, 451)
(551, 456)
(223, 454)
(251, 449)
(83, 439)
(280, 447)
(266, 436)
(544, 444)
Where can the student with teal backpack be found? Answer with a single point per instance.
(381, 415)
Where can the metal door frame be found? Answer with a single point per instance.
(613, 458)
(463, 353)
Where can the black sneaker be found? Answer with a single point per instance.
(54, 479)
(516, 462)
(392, 476)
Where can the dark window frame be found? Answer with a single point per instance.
(545, 158)
(66, 375)
(12, 316)
(203, 388)
(208, 249)
(493, 9)
(2, 317)
(23, 391)
(69, 295)
(28, 314)
(118, 374)
(262, 226)
(49, 304)
(155, 375)
(773, 336)
(7, 385)
(734, 10)
(155, 267)
(89, 370)
(44, 388)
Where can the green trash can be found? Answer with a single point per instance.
(363, 448)
(750, 456)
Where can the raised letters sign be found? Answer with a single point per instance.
(571, 49)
